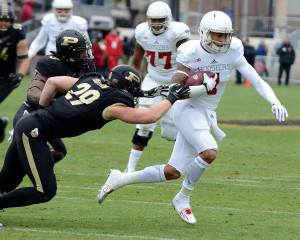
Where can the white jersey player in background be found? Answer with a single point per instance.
(195, 147)
(157, 40)
(53, 24)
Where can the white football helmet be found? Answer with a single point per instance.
(62, 4)
(158, 10)
(218, 22)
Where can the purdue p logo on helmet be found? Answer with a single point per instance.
(73, 47)
(125, 77)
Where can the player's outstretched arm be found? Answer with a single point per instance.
(151, 115)
(264, 90)
(53, 85)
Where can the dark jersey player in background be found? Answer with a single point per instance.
(13, 47)
(89, 103)
(66, 61)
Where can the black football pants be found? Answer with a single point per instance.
(28, 154)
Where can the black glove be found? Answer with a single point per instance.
(15, 80)
(177, 91)
(161, 90)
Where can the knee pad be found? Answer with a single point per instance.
(141, 140)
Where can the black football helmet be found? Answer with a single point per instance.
(6, 13)
(72, 46)
(125, 77)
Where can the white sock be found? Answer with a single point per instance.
(197, 168)
(152, 174)
(134, 157)
(184, 191)
(129, 178)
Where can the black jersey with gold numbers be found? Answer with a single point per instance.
(8, 46)
(82, 108)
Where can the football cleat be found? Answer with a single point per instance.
(112, 183)
(182, 207)
(3, 124)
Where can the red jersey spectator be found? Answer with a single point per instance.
(99, 56)
(27, 12)
(114, 48)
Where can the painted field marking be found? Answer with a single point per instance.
(88, 234)
(169, 204)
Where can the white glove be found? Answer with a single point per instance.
(209, 83)
(280, 112)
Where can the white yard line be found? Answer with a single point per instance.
(89, 234)
(169, 204)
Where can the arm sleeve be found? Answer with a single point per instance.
(257, 82)
(39, 42)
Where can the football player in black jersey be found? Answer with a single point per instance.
(63, 62)
(89, 103)
(13, 47)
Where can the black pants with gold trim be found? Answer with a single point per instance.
(28, 154)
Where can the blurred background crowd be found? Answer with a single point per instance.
(264, 26)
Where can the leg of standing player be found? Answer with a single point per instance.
(143, 132)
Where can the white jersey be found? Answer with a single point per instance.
(160, 50)
(51, 28)
(192, 55)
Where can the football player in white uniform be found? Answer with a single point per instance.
(195, 147)
(53, 24)
(157, 39)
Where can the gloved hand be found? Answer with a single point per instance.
(15, 80)
(280, 112)
(208, 82)
(177, 91)
(161, 90)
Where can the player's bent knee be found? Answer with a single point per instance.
(43, 197)
(171, 172)
(208, 155)
(57, 156)
(141, 140)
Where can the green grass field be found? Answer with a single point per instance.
(251, 191)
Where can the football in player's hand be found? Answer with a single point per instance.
(197, 78)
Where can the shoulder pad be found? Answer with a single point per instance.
(191, 45)
(47, 18)
(140, 29)
(17, 26)
(236, 43)
(186, 51)
(50, 66)
(80, 22)
(181, 30)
